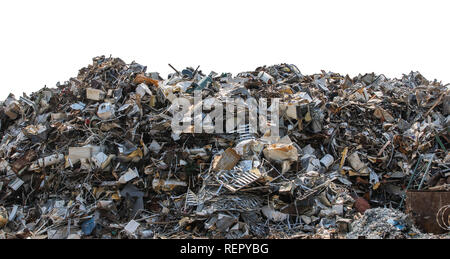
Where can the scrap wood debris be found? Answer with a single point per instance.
(96, 157)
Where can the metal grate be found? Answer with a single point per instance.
(235, 180)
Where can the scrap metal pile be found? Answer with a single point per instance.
(96, 157)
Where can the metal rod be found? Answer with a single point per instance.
(426, 171)
(410, 180)
(174, 69)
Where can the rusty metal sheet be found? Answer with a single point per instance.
(423, 206)
(24, 161)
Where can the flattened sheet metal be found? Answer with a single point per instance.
(423, 206)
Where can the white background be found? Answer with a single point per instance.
(45, 41)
